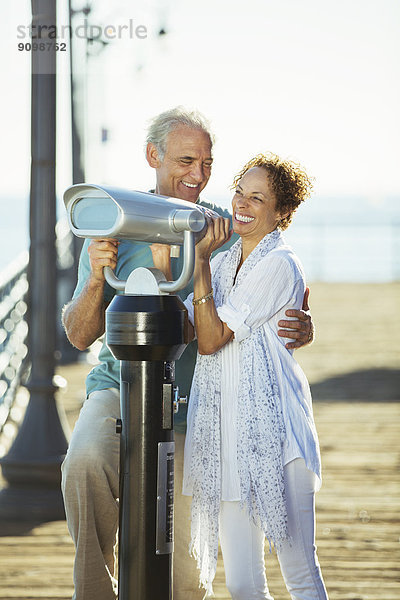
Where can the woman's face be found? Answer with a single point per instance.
(253, 206)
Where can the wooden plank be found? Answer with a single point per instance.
(358, 526)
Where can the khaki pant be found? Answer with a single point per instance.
(90, 485)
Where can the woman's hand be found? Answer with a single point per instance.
(218, 232)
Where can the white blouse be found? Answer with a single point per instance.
(274, 285)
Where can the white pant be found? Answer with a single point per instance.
(242, 544)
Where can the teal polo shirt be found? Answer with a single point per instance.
(130, 256)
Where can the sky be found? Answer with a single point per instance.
(316, 81)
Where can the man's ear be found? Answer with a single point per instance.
(152, 156)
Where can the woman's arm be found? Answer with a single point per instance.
(212, 333)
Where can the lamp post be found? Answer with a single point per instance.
(32, 465)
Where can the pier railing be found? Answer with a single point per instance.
(13, 332)
(14, 359)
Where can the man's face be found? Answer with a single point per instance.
(186, 167)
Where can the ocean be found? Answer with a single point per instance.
(337, 239)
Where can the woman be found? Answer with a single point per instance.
(252, 461)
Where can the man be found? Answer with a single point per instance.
(179, 148)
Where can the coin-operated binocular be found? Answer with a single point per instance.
(107, 212)
(147, 330)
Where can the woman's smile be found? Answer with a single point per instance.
(254, 206)
(243, 218)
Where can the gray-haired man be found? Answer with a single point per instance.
(179, 148)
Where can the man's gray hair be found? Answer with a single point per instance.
(167, 121)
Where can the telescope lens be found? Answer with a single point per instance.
(94, 213)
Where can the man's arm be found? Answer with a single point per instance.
(162, 259)
(301, 330)
(84, 317)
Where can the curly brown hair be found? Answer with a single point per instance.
(290, 183)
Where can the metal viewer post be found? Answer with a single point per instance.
(147, 333)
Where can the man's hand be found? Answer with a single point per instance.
(162, 259)
(300, 330)
(102, 253)
(84, 317)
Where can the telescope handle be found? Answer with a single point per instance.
(113, 281)
(188, 266)
(164, 286)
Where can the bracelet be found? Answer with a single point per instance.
(203, 299)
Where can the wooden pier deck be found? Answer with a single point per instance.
(358, 533)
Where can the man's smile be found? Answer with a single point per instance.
(190, 185)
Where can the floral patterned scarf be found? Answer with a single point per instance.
(260, 429)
